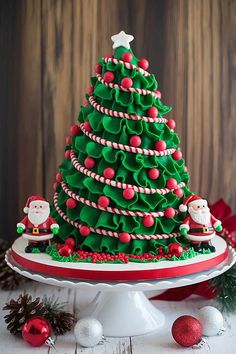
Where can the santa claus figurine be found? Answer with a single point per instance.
(200, 225)
(38, 227)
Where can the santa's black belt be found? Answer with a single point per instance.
(37, 231)
(203, 230)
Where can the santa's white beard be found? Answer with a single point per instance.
(38, 217)
(202, 217)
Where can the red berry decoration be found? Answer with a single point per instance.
(187, 331)
(59, 177)
(127, 82)
(178, 192)
(175, 249)
(67, 154)
(128, 193)
(109, 173)
(143, 64)
(65, 251)
(177, 155)
(108, 76)
(68, 140)
(152, 112)
(160, 145)
(171, 123)
(70, 241)
(90, 90)
(86, 103)
(128, 57)
(36, 331)
(185, 169)
(89, 162)
(148, 221)
(169, 213)
(74, 129)
(98, 68)
(71, 203)
(84, 230)
(103, 201)
(171, 183)
(55, 185)
(135, 140)
(153, 173)
(158, 93)
(124, 237)
(87, 126)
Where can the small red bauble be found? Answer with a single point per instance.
(187, 331)
(124, 237)
(59, 177)
(169, 213)
(86, 103)
(84, 230)
(158, 93)
(65, 251)
(70, 241)
(36, 331)
(153, 173)
(160, 145)
(108, 76)
(171, 183)
(103, 201)
(71, 203)
(128, 57)
(135, 140)
(54, 186)
(68, 140)
(109, 173)
(87, 126)
(177, 155)
(128, 193)
(171, 123)
(185, 169)
(143, 64)
(89, 162)
(148, 221)
(178, 192)
(90, 90)
(98, 68)
(152, 112)
(126, 82)
(175, 249)
(67, 154)
(74, 129)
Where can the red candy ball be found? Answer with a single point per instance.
(143, 64)
(177, 155)
(128, 57)
(124, 237)
(36, 330)
(175, 249)
(54, 186)
(148, 221)
(87, 126)
(126, 82)
(109, 173)
(128, 193)
(171, 183)
(178, 192)
(169, 213)
(185, 169)
(103, 201)
(68, 140)
(86, 103)
(89, 162)
(187, 331)
(158, 93)
(59, 177)
(160, 145)
(171, 123)
(152, 112)
(153, 173)
(71, 203)
(84, 230)
(65, 251)
(98, 68)
(67, 154)
(135, 140)
(90, 90)
(70, 241)
(74, 129)
(108, 76)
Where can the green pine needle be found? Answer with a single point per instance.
(53, 305)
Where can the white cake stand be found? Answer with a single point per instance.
(121, 307)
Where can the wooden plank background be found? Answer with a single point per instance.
(48, 51)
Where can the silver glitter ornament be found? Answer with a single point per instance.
(211, 320)
(88, 332)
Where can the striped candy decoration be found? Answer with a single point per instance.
(127, 65)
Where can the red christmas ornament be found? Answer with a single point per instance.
(153, 173)
(67, 154)
(185, 169)
(177, 155)
(86, 103)
(74, 129)
(124, 237)
(103, 201)
(70, 241)
(187, 331)
(178, 192)
(128, 57)
(54, 186)
(126, 82)
(143, 64)
(68, 140)
(84, 230)
(158, 93)
(175, 249)
(171, 183)
(152, 112)
(160, 145)
(98, 68)
(65, 251)
(89, 162)
(128, 193)
(109, 173)
(108, 76)
(169, 213)
(135, 141)
(59, 177)
(171, 123)
(90, 90)
(148, 221)
(37, 331)
(71, 203)
(87, 126)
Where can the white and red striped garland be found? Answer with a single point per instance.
(108, 232)
(113, 183)
(112, 113)
(127, 65)
(123, 147)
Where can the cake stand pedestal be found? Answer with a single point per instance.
(122, 307)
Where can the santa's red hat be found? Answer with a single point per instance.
(34, 198)
(191, 199)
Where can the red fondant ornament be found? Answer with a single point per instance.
(148, 221)
(86, 103)
(171, 123)
(135, 141)
(89, 162)
(153, 173)
(169, 213)
(128, 193)
(67, 154)
(54, 186)
(87, 126)
(127, 82)
(98, 68)
(59, 177)
(160, 145)
(71, 203)
(178, 192)
(109, 173)
(103, 201)
(37, 331)
(70, 241)
(152, 112)
(158, 93)
(124, 237)
(84, 230)
(127, 57)
(187, 331)
(74, 129)
(171, 183)
(143, 64)
(108, 76)
(90, 90)
(65, 251)
(177, 155)
(68, 140)
(175, 249)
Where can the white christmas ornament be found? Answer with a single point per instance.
(88, 332)
(122, 40)
(211, 320)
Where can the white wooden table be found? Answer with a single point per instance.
(156, 342)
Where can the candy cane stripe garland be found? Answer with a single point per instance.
(127, 65)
